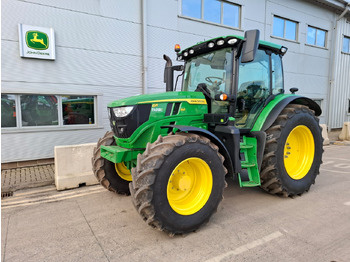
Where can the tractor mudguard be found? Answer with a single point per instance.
(213, 138)
(277, 109)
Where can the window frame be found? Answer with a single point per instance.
(61, 126)
(201, 19)
(345, 52)
(317, 29)
(296, 40)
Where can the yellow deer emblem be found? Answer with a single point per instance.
(36, 40)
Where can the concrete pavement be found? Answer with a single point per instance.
(92, 224)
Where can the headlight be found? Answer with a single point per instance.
(122, 111)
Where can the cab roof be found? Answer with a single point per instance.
(222, 42)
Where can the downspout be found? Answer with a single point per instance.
(333, 65)
(144, 46)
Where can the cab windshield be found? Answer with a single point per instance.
(213, 69)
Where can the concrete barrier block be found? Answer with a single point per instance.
(73, 166)
(345, 132)
(324, 134)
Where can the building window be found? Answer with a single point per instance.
(8, 111)
(316, 37)
(39, 110)
(44, 110)
(285, 28)
(214, 11)
(346, 44)
(78, 110)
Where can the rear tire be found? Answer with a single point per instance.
(178, 182)
(105, 171)
(293, 152)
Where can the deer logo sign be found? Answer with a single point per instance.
(37, 40)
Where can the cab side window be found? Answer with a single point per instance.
(277, 74)
(253, 88)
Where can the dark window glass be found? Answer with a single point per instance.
(311, 35)
(8, 111)
(212, 10)
(78, 110)
(278, 27)
(192, 8)
(231, 15)
(346, 44)
(39, 110)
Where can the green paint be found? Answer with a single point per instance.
(240, 38)
(249, 148)
(267, 110)
(190, 113)
(37, 40)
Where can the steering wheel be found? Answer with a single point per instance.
(209, 79)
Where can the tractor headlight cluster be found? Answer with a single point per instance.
(122, 111)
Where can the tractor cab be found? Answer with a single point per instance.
(217, 67)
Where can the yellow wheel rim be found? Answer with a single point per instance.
(123, 171)
(299, 152)
(189, 186)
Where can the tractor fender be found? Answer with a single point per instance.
(213, 138)
(300, 100)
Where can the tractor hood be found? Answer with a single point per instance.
(189, 97)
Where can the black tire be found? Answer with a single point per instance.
(104, 170)
(151, 179)
(275, 178)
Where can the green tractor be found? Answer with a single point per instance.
(172, 151)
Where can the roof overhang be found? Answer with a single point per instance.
(337, 6)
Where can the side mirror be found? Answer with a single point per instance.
(250, 45)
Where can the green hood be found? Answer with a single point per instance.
(190, 97)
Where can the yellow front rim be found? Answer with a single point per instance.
(123, 171)
(189, 186)
(299, 152)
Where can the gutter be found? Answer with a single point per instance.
(144, 46)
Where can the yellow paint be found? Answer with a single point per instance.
(299, 152)
(36, 40)
(154, 105)
(123, 171)
(183, 109)
(189, 100)
(189, 186)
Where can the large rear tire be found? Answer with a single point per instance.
(114, 177)
(293, 152)
(178, 182)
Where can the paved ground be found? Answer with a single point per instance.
(92, 224)
(27, 177)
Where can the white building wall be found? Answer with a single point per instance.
(340, 84)
(99, 52)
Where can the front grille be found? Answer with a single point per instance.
(124, 127)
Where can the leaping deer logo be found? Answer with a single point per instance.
(36, 40)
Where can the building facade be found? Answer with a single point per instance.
(106, 50)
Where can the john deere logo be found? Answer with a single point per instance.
(37, 40)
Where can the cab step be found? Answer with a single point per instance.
(249, 176)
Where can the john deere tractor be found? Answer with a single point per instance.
(232, 118)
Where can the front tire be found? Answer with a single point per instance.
(113, 177)
(178, 182)
(293, 152)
